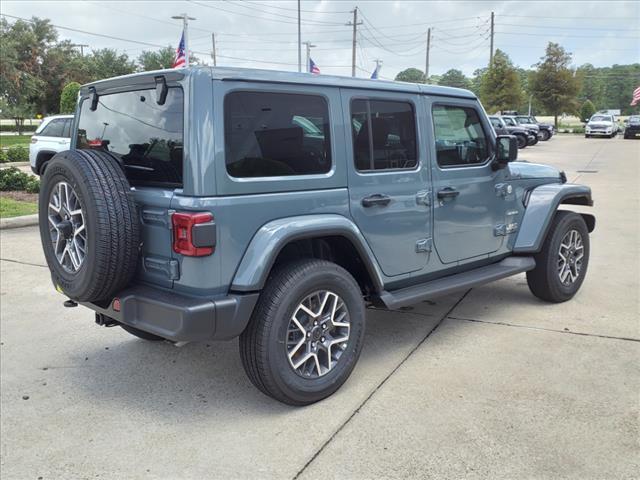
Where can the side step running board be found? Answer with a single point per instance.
(454, 283)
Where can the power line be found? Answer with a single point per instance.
(564, 35)
(341, 12)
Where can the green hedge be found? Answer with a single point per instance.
(12, 179)
(16, 153)
(13, 128)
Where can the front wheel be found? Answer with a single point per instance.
(562, 263)
(306, 332)
(522, 141)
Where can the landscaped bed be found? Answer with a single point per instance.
(15, 204)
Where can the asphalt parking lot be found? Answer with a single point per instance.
(489, 384)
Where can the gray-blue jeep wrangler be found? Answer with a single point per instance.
(202, 204)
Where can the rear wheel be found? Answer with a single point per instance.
(306, 332)
(544, 135)
(562, 263)
(534, 140)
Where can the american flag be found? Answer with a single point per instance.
(376, 72)
(313, 68)
(636, 97)
(180, 60)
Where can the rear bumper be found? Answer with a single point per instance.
(178, 317)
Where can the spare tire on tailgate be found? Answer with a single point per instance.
(88, 224)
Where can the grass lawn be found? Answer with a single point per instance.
(11, 140)
(14, 208)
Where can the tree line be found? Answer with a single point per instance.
(553, 85)
(36, 65)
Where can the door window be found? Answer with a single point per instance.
(66, 131)
(54, 128)
(384, 135)
(459, 136)
(271, 134)
(495, 122)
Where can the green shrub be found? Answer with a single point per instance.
(587, 110)
(13, 128)
(12, 179)
(69, 97)
(17, 154)
(3, 157)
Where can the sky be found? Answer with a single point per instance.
(263, 33)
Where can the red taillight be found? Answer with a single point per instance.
(184, 235)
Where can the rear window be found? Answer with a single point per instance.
(270, 134)
(145, 136)
(54, 128)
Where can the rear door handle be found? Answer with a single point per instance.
(448, 192)
(376, 199)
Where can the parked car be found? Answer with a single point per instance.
(52, 136)
(600, 124)
(533, 130)
(522, 135)
(546, 129)
(211, 203)
(632, 127)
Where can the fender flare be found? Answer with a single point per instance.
(541, 205)
(40, 159)
(272, 237)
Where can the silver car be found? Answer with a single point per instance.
(600, 124)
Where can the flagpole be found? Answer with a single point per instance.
(185, 31)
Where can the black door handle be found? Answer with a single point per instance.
(448, 192)
(376, 199)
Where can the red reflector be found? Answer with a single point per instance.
(116, 304)
(183, 233)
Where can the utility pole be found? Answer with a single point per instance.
(81, 45)
(492, 33)
(426, 70)
(355, 33)
(185, 31)
(213, 49)
(299, 41)
(309, 46)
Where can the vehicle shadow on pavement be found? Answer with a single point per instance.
(205, 379)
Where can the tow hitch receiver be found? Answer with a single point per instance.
(105, 321)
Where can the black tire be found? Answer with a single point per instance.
(522, 141)
(534, 141)
(586, 136)
(110, 219)
(544, 280)
(141, 333)
(545, 135)
(263, 347)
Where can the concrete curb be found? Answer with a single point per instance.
(17, 222)
(14, 164)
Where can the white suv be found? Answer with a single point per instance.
(52, 136)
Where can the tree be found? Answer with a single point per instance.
(587, 110)
(500, 85)
(553, 83)
(107, 62)
(454, 78)
(69, 97)
(412, 75)
(476, 81)
(163, 58)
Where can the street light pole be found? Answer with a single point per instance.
(185, 31)
(299, 41)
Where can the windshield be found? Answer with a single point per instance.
(635, 119)
(522, 120)
(146, 137)
(600, 118)
(509, 121)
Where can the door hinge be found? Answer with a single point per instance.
(423, 198)
(424, 245)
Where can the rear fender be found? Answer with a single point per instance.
(542, 204)
(272, 237)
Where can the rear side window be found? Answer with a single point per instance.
(145, 136)
(460, 138)
(54, 128)
(271, 134)
(384, 135)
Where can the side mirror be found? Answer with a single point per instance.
(161, 90)
(507, 149)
